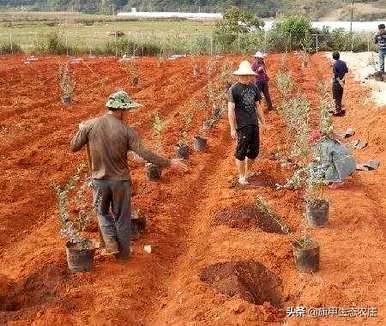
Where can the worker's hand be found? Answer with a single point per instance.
(233, 133)
(177, 164)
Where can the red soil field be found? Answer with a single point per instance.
(170, 286)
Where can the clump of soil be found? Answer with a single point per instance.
(250, 280)
(247, 217)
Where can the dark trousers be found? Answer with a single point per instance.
(337, 94)
(264, 88)
(382, 54)
(248, 143)
(112, 203)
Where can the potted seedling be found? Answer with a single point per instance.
(196, 68)
(153, 171)
(306, 252)
(133, 74)
(317, 206)
(79, 250)
(304, 59)
(317, 209)
(200, 143)
(217, 92)
(66, 84)
(182, 148)
(296, 116)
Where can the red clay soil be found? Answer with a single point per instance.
(166, 287)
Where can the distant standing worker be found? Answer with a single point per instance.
(262, 78)
(339, 70)
(380, 39)
(243, 115)
(110, 139)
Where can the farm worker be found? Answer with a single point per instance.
(109, 139)
(339, 70)
(380, 39)
(262, 78)
(243, 113)
(335, 162)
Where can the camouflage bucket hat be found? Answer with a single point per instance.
(121, 101)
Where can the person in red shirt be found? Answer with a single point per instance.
(262, 78)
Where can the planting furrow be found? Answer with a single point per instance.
(238, 251)
(27, 163)
(33, 239)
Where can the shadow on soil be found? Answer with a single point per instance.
(249, 280)
(40, 290)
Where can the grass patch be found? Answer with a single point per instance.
(10, 48)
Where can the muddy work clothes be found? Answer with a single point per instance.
(112, 202)
(110, 139)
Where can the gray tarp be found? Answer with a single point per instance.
(336, 161)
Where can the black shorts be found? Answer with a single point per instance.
(247, 143)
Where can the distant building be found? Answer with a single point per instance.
(159, 14)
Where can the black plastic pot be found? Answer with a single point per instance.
(182, 151)
(216, 112)
(66, 100)
(153, 172)
(306, 255)
(135, 81)
(200, 143)
(79, 259)
(317, 213)
(196, 70)
(138, 226)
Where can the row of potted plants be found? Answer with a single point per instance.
(295, 112)
(215, 95)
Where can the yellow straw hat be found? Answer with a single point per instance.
(245, 69)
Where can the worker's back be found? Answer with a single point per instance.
(108, 138)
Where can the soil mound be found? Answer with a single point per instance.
(250, 280)
(247, 217)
